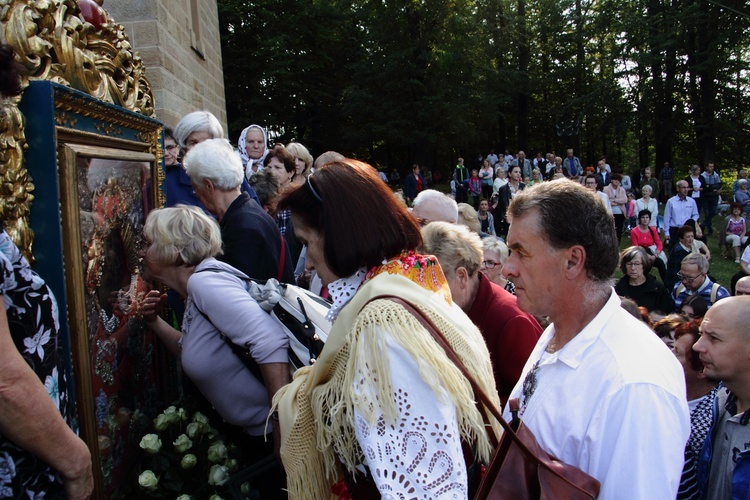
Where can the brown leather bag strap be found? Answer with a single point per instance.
(487, 404)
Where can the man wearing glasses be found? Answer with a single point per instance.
(679, 210)
(694, 279)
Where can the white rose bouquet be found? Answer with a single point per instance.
(184, 457)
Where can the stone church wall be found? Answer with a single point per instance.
(179, 43)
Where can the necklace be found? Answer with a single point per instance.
(529, 386)
(126, 300)
(110, 323)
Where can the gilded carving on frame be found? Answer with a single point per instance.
(54, 42)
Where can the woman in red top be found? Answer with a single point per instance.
(647, 237)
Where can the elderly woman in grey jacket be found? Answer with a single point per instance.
(182, 244)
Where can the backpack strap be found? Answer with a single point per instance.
(282, 258)
(714, 291)
(241, 352)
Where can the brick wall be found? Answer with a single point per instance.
(161, 31)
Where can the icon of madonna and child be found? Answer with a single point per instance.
(114, 197)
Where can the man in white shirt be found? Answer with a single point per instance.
(492, 158)
(680, 208)
(600, 391)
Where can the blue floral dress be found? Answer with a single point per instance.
(33, 319)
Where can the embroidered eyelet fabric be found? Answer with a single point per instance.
(419, 455)
(342, 290)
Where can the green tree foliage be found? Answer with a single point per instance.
(397, 82)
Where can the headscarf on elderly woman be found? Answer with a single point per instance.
(253, 148)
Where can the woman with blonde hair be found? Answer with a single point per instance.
(468, 217)
(182, 245)
(303, 161)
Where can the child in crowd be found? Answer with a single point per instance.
(631, 212)
(475, 188)
(486, 220)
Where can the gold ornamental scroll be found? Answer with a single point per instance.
(54, 42)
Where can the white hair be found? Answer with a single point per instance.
(495, 244)
(182, 235)
(217, 161)
(439, 203)
(198, 121)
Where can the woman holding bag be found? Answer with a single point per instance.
(384, 405)
(645, 235)
(182, 245)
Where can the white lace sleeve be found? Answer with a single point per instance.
(420, 456)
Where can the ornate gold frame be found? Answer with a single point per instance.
(54, 42)
(78, 290)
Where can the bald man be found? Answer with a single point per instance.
(433, 206)
(743, 286)
(724, 349)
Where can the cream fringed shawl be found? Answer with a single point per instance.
(315, 410)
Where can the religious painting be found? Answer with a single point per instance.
(105, 196)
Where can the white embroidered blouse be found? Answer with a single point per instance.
(420, 456)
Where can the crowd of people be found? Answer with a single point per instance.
(498, 265)
(642, 383)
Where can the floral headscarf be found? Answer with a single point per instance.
(248, 162)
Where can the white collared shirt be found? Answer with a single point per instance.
(613, 403)
(678, 211)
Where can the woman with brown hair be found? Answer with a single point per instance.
(382, 382)
(701, 392)
(638, 284)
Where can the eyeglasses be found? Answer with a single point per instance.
(171, 147)
(634, 264)
(688, 279)
(490, 264)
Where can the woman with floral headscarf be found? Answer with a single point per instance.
(253, 147)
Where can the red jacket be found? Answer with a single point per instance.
(510, 333)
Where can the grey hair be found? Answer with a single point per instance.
(495, 244)
(696, 259)
(454, 246)
(182, 235)
(217, 161)
(198, 121)
(648, 188)
(443, 203)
